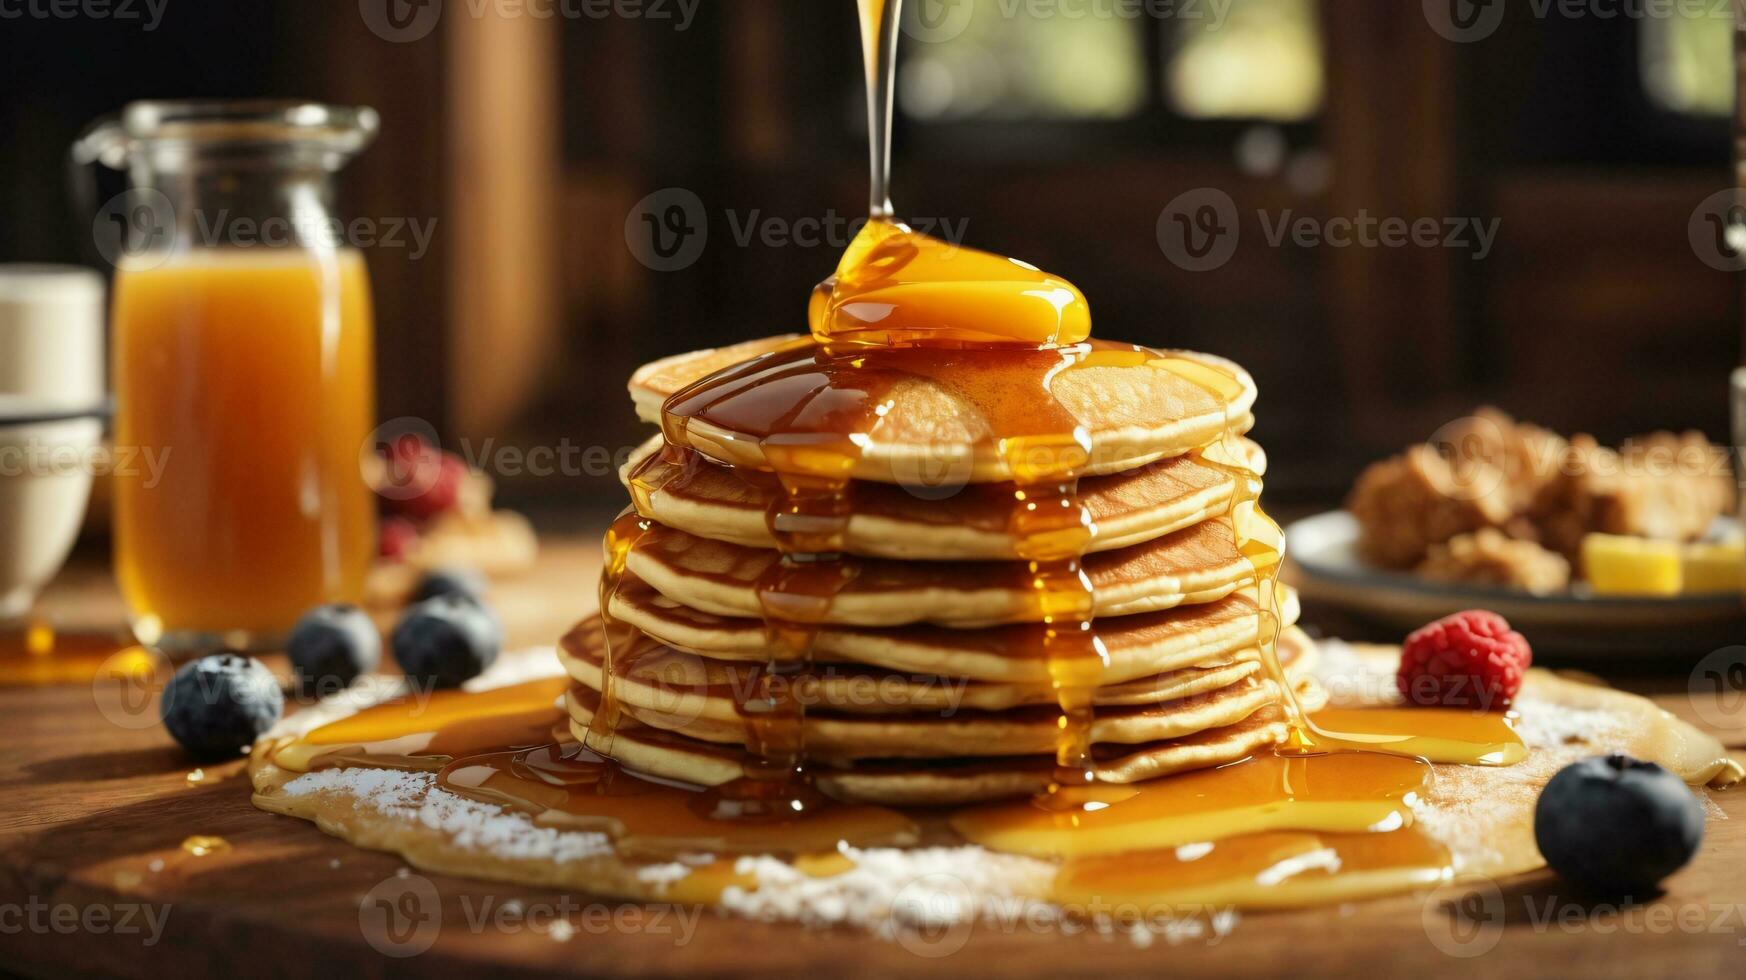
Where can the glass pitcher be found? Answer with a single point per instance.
(242, 355)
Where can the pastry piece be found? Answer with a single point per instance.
(1662, 486)
(1491, 447)
(1490, 557)
(1406, 504)
(1538, 491)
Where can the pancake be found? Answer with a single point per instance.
(651, 384)
(1209, 699)
(652, 675)
(834, 739)
(934, 782)
(1133, 405)
(1195, 565)
(1137, 646)
(946, 521)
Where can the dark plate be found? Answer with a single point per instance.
(1323, 564)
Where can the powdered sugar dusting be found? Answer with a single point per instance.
(1352, 679)
(890, 889)
(916, 895)
(662, 875)
(1547, 726)
(465, 823)
(381, 789)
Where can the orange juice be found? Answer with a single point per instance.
(248, 374)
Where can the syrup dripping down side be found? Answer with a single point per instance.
(621, 537)
(811, 409)
(808, 520)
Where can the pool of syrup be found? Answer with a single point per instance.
(37, 654)
(1280, 828)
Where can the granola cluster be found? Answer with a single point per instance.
(1489, 500)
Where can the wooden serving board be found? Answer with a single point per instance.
(94, 881)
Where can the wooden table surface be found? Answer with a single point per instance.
(94, 879)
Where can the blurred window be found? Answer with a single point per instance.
(1263, 61)
(1687, 59)
(1023, 59)
(1089, 59)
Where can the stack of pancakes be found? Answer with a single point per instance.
(929, 683)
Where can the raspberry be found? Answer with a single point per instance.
(1471, 659)
(442, 489)
(398, 536)
(418, 480)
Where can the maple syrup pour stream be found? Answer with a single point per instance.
(879, 24)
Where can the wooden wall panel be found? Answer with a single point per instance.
(503, 149)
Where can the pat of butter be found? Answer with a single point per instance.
(1713, 568)
(1621, 565)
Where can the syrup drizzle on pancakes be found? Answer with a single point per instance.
(998, 335)
(1277, 829)
(905, 307)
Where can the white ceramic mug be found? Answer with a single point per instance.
(52, 406)
(46, 462)
(51, 334)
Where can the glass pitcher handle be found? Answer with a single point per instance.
(102, 142)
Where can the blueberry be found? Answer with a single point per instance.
(217, 706)
(450, 581)
(1617, 826)
(443, 641)
(330, 647)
